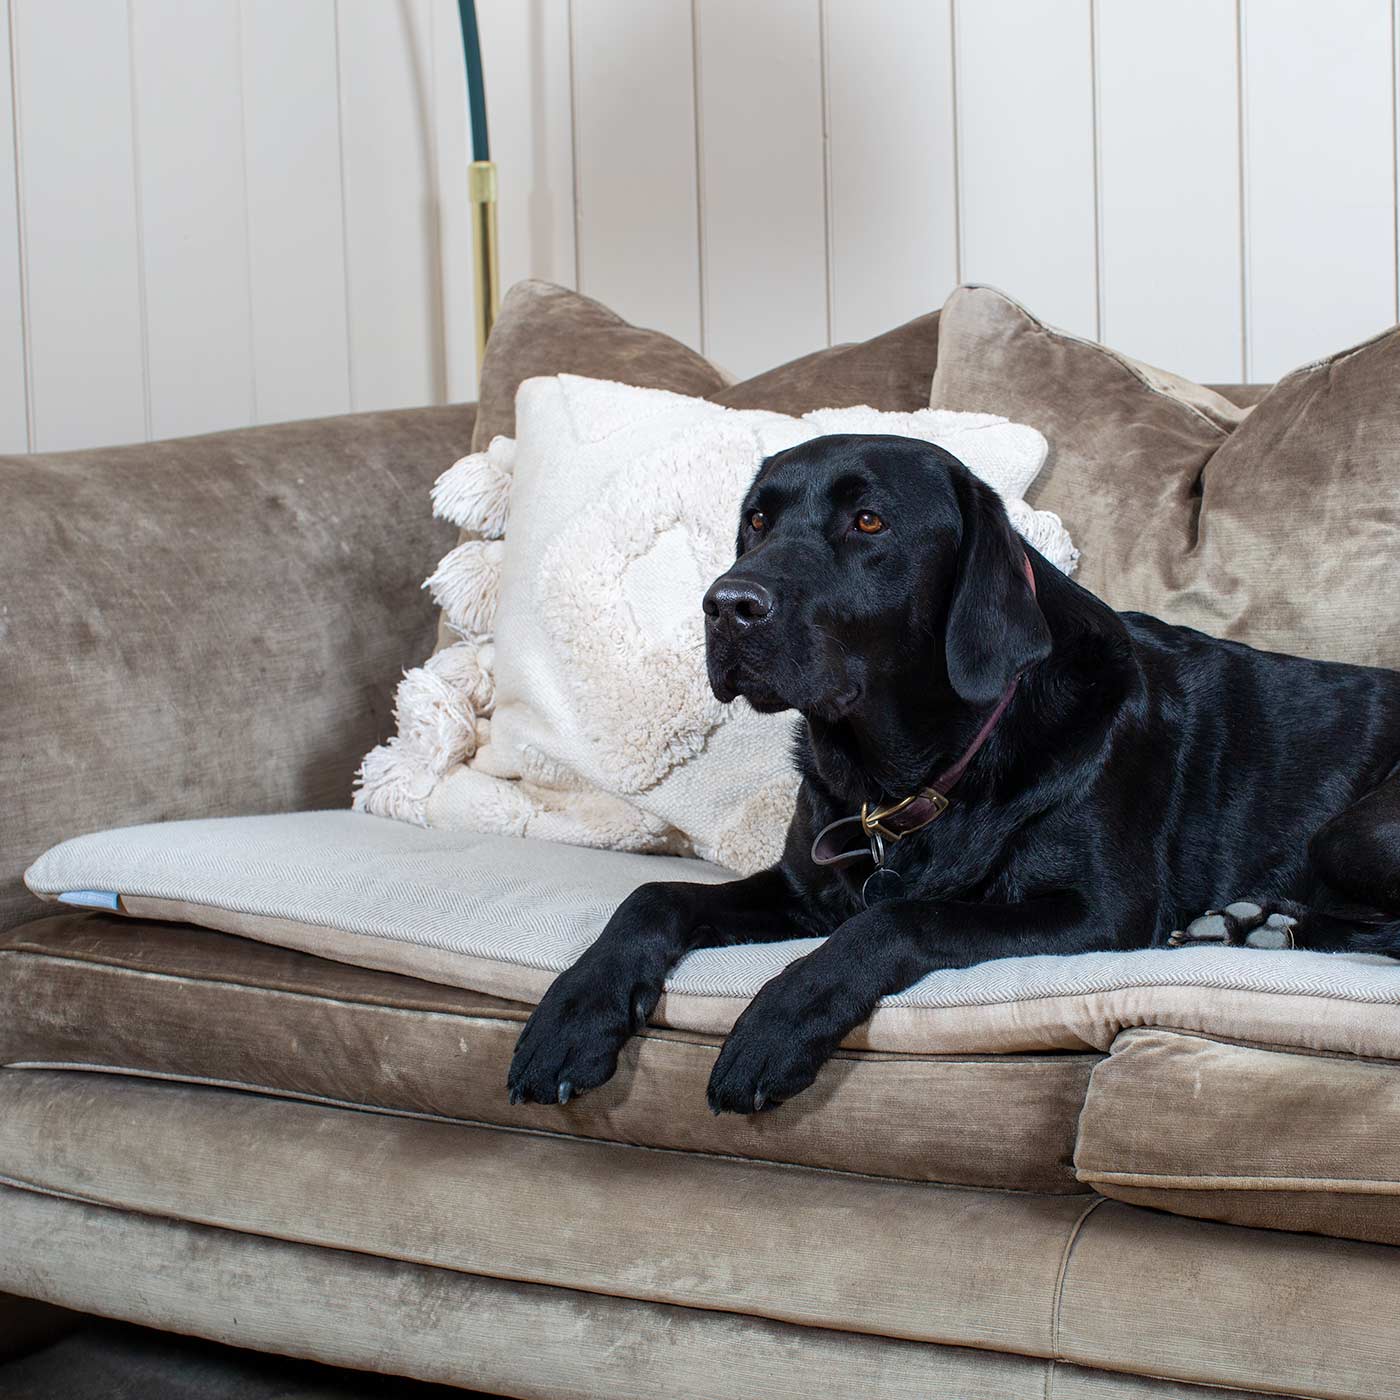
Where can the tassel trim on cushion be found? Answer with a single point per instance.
(442, 711)
(474, 493)
(467, 585)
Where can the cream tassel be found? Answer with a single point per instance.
(467, 583)
(474, 493)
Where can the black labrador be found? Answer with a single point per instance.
(994, 763)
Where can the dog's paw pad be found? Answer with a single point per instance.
(1245, 910)
(1275, 932)
(1210, 927)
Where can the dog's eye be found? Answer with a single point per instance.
(758, 522)
(868, 523)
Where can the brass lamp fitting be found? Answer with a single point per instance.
(481, 188)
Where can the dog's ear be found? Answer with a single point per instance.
(995, 628)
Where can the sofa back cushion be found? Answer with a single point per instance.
(1297, 541)
(544, 329)
(1128, 443)
(1274, 525)
(890, 372)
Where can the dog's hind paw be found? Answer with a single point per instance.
(1243, 924)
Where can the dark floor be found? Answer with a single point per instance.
(115, 1361)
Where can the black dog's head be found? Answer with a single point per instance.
(864, 563)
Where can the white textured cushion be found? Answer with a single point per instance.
(502, 916)
(623, 508)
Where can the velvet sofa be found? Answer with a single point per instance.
(219, 1125)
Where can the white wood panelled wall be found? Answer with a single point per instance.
(220, 212)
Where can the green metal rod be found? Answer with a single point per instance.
(476, 82)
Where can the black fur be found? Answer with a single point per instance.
(1143, 773)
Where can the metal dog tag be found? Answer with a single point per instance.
(881, 884)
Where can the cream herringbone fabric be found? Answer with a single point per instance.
(503, 915)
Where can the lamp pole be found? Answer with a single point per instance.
(481, 188)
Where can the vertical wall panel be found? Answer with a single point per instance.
(391, 208)
(265, 204)
(296, 247)
(762, 181)
(14, 435)
(634, 115)
(81, 232)
(1026, 154)
(893, 199)
(194, 217)
(1319, 178)
(1169, 196)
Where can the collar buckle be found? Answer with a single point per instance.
(919, 809)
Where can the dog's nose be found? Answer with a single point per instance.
(738, 601)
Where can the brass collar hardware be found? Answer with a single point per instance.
(873, 821)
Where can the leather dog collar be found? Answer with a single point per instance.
(895, 820)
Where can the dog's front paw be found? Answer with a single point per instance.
(764, 1062)
(571, 1042)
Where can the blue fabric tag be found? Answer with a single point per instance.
(92, 899)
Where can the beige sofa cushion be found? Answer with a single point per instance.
(1273, 525)
(544, 329)
(890, 372)
(503, 916)
(492, 1335)
(823, 1249)
(1246, 1133)
(1128, 442)
(173, 1002)
(1295, 546)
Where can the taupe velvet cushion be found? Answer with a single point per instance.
(544, 329)
(892, 371)
(1274, 525)
(1297, 545)
(1127, 443)
(1247, 1134)
(210, 625)
(1096, 1283)
(1245, 395)
(186, 1003)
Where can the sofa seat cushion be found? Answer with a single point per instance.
(94, 991)
(1097, 1283)
(1249, 1134)
(504, 916)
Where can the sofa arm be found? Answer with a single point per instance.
(209, 626)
